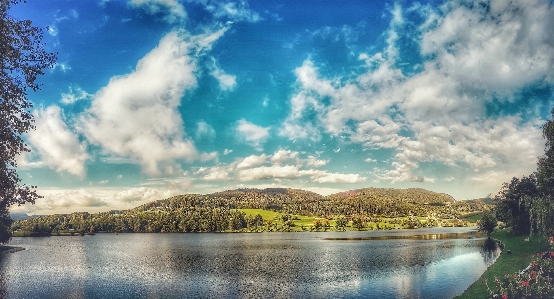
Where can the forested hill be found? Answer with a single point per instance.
(233, 210)
(411, 195)
(382, 201)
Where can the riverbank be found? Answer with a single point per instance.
(519, 258)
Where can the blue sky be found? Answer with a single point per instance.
(154, 98)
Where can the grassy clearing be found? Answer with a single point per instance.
(266, 214)
(304, 223)
(522, 253)
(473, 218)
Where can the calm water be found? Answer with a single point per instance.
(437, 263)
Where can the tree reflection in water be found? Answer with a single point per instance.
(490, 251)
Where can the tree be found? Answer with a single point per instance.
(488, 222)
(317, 225)
(341, 223)
(541, 211)
(513, 202)
(22, 59)
(358, 222)
(413, 222)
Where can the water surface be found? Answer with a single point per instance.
(421, 263)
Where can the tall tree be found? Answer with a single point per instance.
(487, 223)
(542, 206)
(22, 59)
(514, 201)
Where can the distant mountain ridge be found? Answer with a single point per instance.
(19, 216)
(414, 195)
(388, 202)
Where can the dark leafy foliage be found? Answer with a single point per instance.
(22, 59)
(512, 207)
(488, 222)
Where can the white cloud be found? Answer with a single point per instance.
(204, 130)
(74, 199)
(140, 194)
(75, 94)
(339, 178)
(471, 55)
(234, 11)
(269, 172)
(282, 156)
(252, 169)
(251, 161)
(220, 174)
(226, 82)
(252, 134)
(204, 157)
(58, 147)
(175, 11)
(292, 172)
(499, 50)
(227, 151)
(64, 67)
(313, 161)
(53, 28)
(136, 115)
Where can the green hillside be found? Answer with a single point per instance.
(268, 209)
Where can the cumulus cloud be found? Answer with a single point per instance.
(283, 156)
(252, 134)
(292, 172)
(315, 162)
(472, 55)
(339, 178)
(276, 167)
(220, 174)
(269, 172)
(74, 199)
(175, 12)
(251, 161)
(136, 115)
(500, 48)
(57, 146)
(141, 194)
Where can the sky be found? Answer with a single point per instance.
(155, 98)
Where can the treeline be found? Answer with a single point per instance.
(220, 211)
(527, 204)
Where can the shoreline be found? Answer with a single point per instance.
(10, 249)
(521, 254)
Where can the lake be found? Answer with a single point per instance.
(419, 263)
